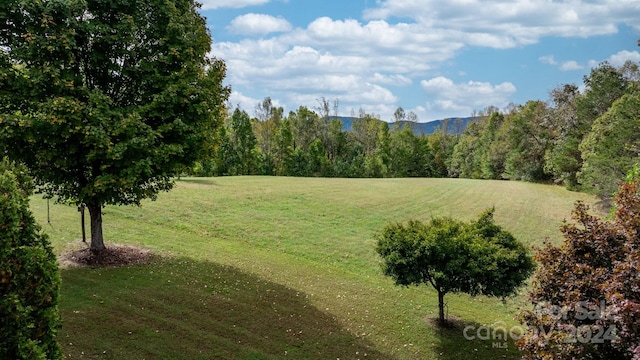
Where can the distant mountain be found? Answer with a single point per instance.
(454, 125)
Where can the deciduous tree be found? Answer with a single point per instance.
(105, 100)
(466, 155)
(452, 256)
(365, 130)
(563, 159)
(244, 143)
(585, 296)
(306, 127)
(612, 146)
(572, 117)
(283, 149)
(529, 139)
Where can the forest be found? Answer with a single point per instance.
(584, 137)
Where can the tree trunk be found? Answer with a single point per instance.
(97, 241)
(84, 231)
(441, 318)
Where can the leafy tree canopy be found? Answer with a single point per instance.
(105, 100)
(29, 277)
(586, 299)
(478, 258)
(612, 146)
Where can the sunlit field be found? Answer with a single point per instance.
(272, 268)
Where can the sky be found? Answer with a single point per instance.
(438, 59)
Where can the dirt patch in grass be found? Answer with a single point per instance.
(113, 256)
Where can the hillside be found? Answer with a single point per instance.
(455, 126)
(274, 267)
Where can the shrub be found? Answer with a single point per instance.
(586, 292)
(29, 277)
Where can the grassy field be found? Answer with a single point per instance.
(272, 268)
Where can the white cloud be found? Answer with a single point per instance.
(618, 59)
(258, 24)
(570, 66)
(396, 79)
(621, 57)
(593, 63)
(412, 43)
(246, 103)
(399, 51)
(446, 96)
(368, 62)
(373, 94)
(236, 4)
(499, 24)
(547, 59)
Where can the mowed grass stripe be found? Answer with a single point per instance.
(309, 238)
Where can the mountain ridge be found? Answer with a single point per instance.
(455, 126)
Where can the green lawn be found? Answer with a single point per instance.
(271, 268)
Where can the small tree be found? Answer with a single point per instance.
(29, 278)
(477, 258)
(586, 294)
(244, 143)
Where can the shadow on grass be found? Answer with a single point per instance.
(198, 180)
(470, 340)
(178, 308)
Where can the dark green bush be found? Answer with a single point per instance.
(29, 277)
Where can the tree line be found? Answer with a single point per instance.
(583, 139)
(306, 143)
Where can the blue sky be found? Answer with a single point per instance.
(437, 59)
